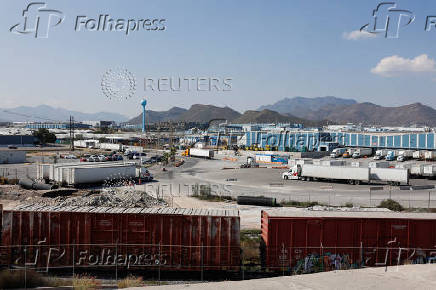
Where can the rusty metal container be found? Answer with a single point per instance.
(135, 238)
(312, 241)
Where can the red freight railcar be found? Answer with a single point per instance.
(311, 241)
(137, 238)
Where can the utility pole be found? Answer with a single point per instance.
(72, 133)
(72, 117)
(71, 138)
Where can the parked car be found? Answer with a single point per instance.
(139, 155)
(147, 160)
(70, 156)
(93, 158)
(116, 157)
(101, 158)
(84, 158)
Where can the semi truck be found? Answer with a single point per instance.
(348, 153)
(404, 155)
(419, 154)
(430, 155)
(380, 154)
(338, 152)
(429, 171)
(362, 152)
(390, 156)
(352, 175)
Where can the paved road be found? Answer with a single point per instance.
(268, 182)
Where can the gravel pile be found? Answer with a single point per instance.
(113, 198)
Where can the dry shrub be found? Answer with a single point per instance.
(83, 282)
(130, 281)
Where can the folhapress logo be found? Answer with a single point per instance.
(388, 19)
(37, 20)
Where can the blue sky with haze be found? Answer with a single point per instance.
(270, 49)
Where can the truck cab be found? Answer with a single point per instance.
(337, 152)
(291, 174)
(390, 156)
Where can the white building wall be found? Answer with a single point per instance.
(12, 156)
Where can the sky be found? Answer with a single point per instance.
(267, 50)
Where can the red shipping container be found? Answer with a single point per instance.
(164, 238)
(312, 241)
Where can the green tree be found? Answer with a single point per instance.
(45, 136)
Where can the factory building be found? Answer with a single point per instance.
(318, 140)
(17, 140)
(65, 125)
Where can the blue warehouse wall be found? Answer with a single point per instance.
(312, 140)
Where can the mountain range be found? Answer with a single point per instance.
(302, 107)
(371, 114)
(205, 113)
(308, 111)
(44, 113)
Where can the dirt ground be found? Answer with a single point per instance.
(402, 277)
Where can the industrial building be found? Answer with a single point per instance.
(319, 140)
(17, 140)
(60, 125)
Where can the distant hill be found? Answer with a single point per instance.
(301, 107)
(197, 113)
(46, 113)
(159, 116)
(205, 113)
(371, 114)
(268, 116)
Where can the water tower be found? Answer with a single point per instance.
(143, 104)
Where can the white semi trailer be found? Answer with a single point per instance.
(430, 155)
(362, 152)
(111, 146)
(74, 176)
(429, 170)
(380, 154)
(404, 155)
(205, 153)
(352, 175)
(80, 173)
(393, 176)
(338, 152)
